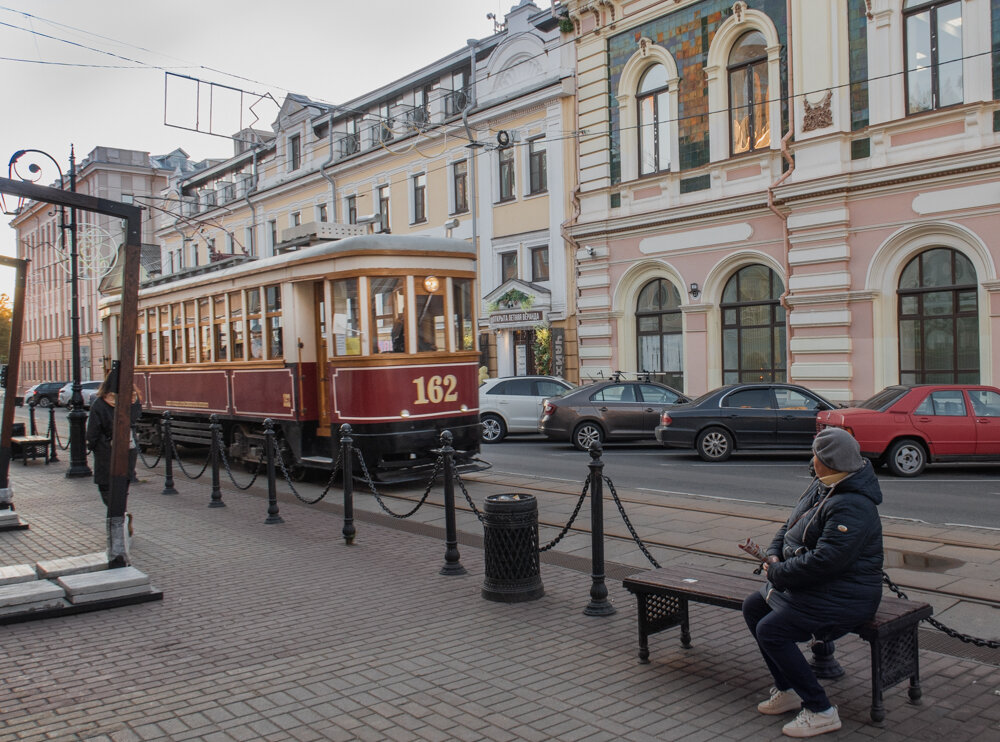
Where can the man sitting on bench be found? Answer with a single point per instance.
(824, 572)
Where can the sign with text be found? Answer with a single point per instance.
(515, 318)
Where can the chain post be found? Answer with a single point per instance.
(33, 428)
(52, 434)
(346, 444)
(215, 427)
(452, 566)
(168, 456)
(599, 604)
(272, 493)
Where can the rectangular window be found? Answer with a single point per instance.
(221, 328)
(321, 212)
(248, 242)
(346, 318)
(537, 167)
(352, 209)
(205, 330)
(254, 321)
(273, 231)
(190, 333)
(933, 56)
(508, 266)
(294, 152)
(460, 182)
(295, 219)
(432, 334)
(383, 208)
(236, 325)
(507, 174)
(176, 334)
(419, 198)
(272, 321)
(388, 314)
(461, 304)
(540, 264)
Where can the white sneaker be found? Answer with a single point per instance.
(780, 702)
(812, 723)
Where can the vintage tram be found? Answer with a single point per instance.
(373, 330)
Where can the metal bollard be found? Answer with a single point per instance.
(168, 456)
(346, 450)
(33, 428)
(451, 564)
(272, 494)
(215, 427)
(52, 434)
(599, 604)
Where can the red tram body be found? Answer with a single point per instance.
(376, 331)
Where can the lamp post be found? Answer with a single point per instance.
(77, 417)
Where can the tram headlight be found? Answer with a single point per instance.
(404, 413)
(464, 408)
(432, 284)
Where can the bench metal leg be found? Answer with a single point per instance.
(877, 712)
(643, 631)
(685, 624)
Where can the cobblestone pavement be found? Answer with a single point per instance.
(282, 632)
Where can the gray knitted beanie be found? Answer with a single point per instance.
(838, 449)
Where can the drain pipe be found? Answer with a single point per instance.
(253, 207)
(473, 144)
(787, 155)
(574, 218)
(329, 178)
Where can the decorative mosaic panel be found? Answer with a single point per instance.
(857, 34)
(697, 183)
(687, 33)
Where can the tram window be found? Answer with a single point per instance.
(461, 303)
(205, 329)
(190, 332)
(236, 324)
(176, 334)
(388, 313)
(253, 320)
(140, 340)
(272, 308)
(346, 322)
(164, 335)
(221, 329)
(152, 338)
(431, 330)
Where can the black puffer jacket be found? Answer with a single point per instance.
(831, 552)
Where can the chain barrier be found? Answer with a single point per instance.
(628, 523)
(468, 499)
(572, 518)
(229, 472)
(177, 458)
(58, 438)
(940, 626)
(371, 485)
(284, 473)
(142, 456)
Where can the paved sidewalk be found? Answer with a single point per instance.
(282, 632)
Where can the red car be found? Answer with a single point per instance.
(907, 427)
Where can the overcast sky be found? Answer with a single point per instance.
(92, 72)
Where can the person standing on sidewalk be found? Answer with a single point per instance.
(824, 578)
(100, 429)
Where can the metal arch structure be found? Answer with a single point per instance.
(117, 552)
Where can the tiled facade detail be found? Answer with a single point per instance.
(857, 30)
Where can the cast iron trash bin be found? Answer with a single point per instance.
(510, 546)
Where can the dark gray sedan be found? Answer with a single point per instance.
(607, 411)
(744, 416)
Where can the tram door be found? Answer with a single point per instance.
(322, 391)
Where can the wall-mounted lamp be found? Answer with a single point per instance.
(694, 290)
(450, 225)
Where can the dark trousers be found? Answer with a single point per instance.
(777, 634)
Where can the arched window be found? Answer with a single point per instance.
(652, 105)
(938, 319)
(753, 327)
(748, 94)
(658, 330)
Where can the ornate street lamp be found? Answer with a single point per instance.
(77, 417)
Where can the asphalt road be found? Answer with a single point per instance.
(953, 494)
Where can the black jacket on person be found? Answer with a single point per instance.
(100, 429)
(831, 553)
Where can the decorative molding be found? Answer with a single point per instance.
(739, 8)
(818, 116)
(644, 44)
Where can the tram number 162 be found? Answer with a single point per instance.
(437, 389)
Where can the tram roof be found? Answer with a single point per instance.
(357, 245)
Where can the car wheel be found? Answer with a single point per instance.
(586, 435)
(906, 458)
(715, 444)
(494, 429)
(45, 402)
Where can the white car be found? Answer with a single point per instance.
(514, 404)
(88, 390)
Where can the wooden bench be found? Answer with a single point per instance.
(663, 595)
(35, 446)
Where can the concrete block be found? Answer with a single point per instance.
(17, 573)
(8, 517)
(23, 593)
(101, 582)
(38, 605)
(110, 594)
(55, 568)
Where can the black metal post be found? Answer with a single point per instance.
(13, 366)
(346, 457)
(77, 417)
(168, 456)
(452, 566)
(272, 493)
(53, 456)
(32, 427)
(599, 604)
(215, 426)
